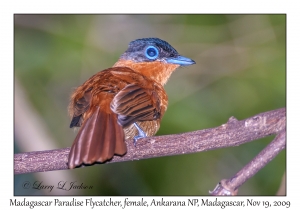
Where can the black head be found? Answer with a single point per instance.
(154, 49)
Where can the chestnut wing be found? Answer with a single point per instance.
(134, 103)
(80, 106)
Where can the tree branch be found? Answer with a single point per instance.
(233, 133)
(230, 186)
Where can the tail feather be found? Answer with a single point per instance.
(99, 138)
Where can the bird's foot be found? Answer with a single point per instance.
(140, 135)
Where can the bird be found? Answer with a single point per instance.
(126, 101)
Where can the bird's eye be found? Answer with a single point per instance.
(151, 52)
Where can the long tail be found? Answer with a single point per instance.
(99, 138)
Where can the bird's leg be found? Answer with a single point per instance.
(140, 135)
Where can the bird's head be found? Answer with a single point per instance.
(154, 58)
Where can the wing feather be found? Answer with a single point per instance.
(134, 103)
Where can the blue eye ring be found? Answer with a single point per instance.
(151, 52)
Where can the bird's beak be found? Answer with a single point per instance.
(180, 60)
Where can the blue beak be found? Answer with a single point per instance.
(181, 60)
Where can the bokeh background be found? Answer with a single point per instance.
(240, 72)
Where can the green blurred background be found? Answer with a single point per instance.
(240, 71)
